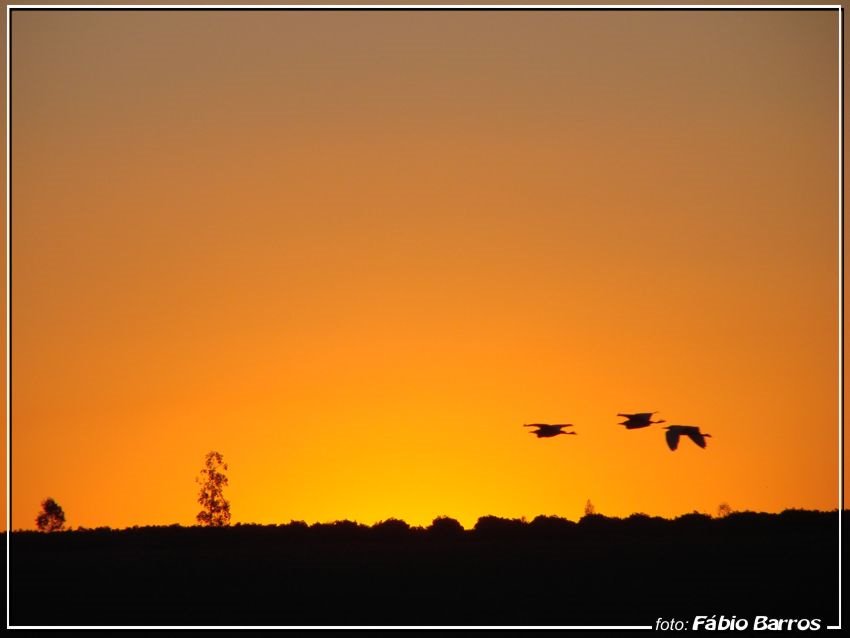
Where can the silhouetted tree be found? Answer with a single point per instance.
(344, 530)
(216, 512)
(723, 510)
(51, 518)
(496, 527)
(589, 509)
(695, 521)
(445, 527)
(551, 526)
(598, 522)
(390, 529)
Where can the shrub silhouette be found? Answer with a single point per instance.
(693, 520)
(599, 523)
(445, 527)
(495, 527)
(390, 529)
(51, 518)
(216, 509)
(338, 530)
(644, 523)
(551, 526)
(798, 516)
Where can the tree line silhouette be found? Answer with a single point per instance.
(597, 570)
(590, 524)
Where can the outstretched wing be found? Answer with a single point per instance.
(697, 437)
(672, 439)
(535, 425)
(562, 425)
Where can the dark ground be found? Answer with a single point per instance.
(600, 571)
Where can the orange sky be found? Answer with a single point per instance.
(355, 251)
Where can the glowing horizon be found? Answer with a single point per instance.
(356, 251)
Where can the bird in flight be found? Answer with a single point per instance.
(639, 420)
(547, 430)
(691, 431)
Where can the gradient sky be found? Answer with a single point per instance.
(356, 251)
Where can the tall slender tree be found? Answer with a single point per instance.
(216, 509)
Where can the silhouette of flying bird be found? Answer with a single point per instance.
(691, 431)
(547, 430)
(639, 420)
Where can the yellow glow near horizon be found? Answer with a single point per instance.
(356, 251)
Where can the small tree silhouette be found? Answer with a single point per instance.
(216, 512)
(723, 510)
(390, 529)
(51, 518)
(445, 527)
(589, 509)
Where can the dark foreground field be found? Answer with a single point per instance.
(599, 571)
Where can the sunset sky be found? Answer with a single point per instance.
(355, 251)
